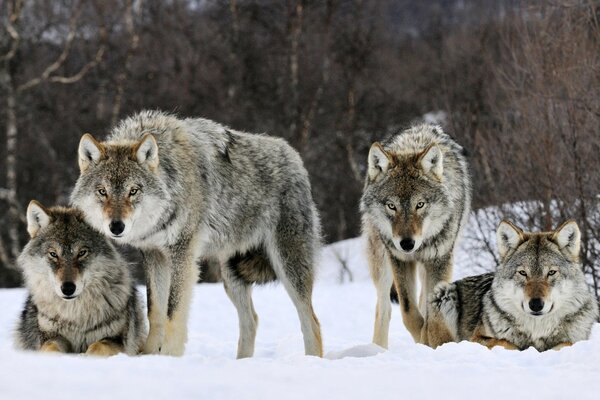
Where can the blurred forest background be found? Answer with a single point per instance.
(516, 82)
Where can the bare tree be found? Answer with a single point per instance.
(14, 90)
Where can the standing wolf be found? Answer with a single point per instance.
(180, 188)
(81, 296)
(537, 297)
(416, 198)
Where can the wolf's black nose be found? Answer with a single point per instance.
(407, 244)
(116, 227)
(68, 288)
(536, 304)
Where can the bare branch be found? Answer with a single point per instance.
(13, 17)
(4, 258)
(6, 196)
(50, 69)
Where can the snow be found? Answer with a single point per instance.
(352, 368)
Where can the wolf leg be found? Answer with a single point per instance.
(404, 279)
(381, 274)
(104, 348)
(435, 271)
(56, 345)
(158, 281)
(183, 279)
(442, 315)
(240, 294)
(292, 261)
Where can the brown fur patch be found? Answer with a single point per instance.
(117, 209)
(536, 289)
(409, 227)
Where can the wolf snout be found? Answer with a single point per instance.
(536, 305)
(116, 227)
(407, 244)
(68, 288)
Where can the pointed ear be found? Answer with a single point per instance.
(568, 238)
(90, 151)
(146, 151)
(379, 160)
(431, 161)
(37, 218)
(509, 237)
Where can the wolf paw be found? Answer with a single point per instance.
(103, 349)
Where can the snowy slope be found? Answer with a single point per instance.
(280, 371)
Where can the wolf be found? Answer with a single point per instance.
(81, 295)
(415, 201)
(538, 296)
(178, 189)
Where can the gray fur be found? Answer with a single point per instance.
(106, 307)
(242, 199)
(493, 308)
(418, 187)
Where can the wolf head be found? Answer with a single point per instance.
(539, 273)
(405, 196)
(118, 187)
(64, 254)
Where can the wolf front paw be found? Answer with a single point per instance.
(103, 349)
(53, 346)
(562, 346)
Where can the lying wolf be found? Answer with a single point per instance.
(81, 296)
(182, 188)
(538, 296)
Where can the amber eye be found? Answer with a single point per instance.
(102, 192)
(552, 272)
(420, 205)
(391, 205)
(82, 253)
(133, 191)
(523, 273)
(53, 254)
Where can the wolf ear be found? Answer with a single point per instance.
(146, 151)
(379, 160)
(37, 218)
(568, 238)
(431, 160)
(90, 151)
(509, 237)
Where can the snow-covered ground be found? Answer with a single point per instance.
(352, 369)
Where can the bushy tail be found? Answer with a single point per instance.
(442, 313)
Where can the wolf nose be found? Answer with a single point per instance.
(116, 227)
(536, 304)
(407, 244)
(68, 288)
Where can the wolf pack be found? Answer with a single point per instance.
(181, 190)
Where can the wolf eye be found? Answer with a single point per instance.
(552, 272)
(102, 192)
(53, 254)
(420, 204)
(82, 253)
(133, 191)
(391, 205)
(523, 273)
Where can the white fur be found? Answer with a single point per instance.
(508, 238)
(36, 218)
(379, 161)
(433, 162)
